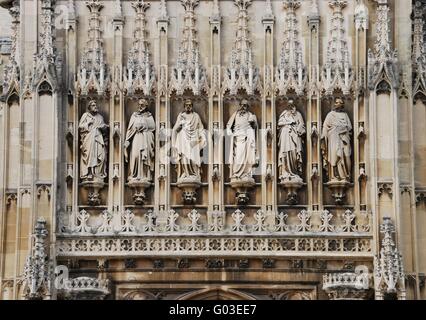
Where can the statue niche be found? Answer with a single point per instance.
(139, 148)
(290, 151)
(242, 128)
(337, 151)
(188, 140)
(93, 151)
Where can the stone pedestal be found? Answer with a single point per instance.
(93, 186)
(189, 186)
(338, 190)
(291, 186)
(242, 187)
(139, 186)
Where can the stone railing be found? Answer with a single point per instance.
(219, 246)
(346, 286)
(85, 288)
(305, 223)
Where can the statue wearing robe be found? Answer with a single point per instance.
(140, 141)
(93, 148)
(290, 145)
(242, 127)
(336, 144)
(188, 139)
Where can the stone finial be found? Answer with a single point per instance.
(389, 275)
(38, 268)
(383, 60)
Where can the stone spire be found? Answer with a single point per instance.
(291, 73)
(241, 72)
(337, 73)
(383, 60)
(93, 71)
(419, 51)
(140, 72)
(11, 71)
(189, 74)
(38, 268)
(45, 60)
(389, 276)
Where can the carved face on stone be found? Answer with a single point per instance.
(93, 107)
(339, 105)
(291, 106)
(143, 105)
(188, 106)
(244, 104)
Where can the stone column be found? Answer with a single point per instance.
(383, 83)
(215, 126)
(360, 110)
(314, 109)
(71, 131)
(117, 176)
(269, 177)
(163, 121)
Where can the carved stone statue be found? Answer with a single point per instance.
(140, 142)
(93, 152)
(337, 150)
(188, 139)
(336, 143)
(292, 128)
(290, 143)
(93, 147)
(242, 127)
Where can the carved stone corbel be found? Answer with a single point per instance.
(420, 196)
(11, 197)
(44, 188)
(385, 187)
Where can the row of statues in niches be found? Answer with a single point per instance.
(189, 138)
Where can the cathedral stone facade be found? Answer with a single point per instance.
(206, 149)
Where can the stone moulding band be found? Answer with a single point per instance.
(196, 246)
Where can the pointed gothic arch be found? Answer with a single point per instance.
(216, 293)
